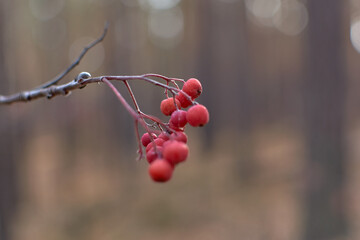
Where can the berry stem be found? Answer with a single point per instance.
(163, 77)
(140, 151)
(121, 98)
(132, 96)
(137, 115)
(141, 115)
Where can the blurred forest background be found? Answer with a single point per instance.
(279, 159)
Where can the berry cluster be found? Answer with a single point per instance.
(164, 142)
(167, 149)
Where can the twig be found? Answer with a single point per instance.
(136, 115)
(76, 62)
(78, 83)
(50, 89)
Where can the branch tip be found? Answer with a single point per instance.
(77, 61)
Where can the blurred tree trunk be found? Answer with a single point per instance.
(7, 165)
(205, 55)
(223, 26)
(324, 106)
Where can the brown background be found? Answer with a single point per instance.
(279, 159)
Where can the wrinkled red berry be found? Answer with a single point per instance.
(197, 115)
(160, 170)
(167, 106)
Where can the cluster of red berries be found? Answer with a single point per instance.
(169, 148)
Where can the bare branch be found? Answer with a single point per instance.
(76, 62)
(49, 92)
(78, 83)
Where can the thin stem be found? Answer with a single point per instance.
(134, 114)
(166, 91)
(140, 152)
(175, 84)
(163, 77)
(77, 61)
(132, 95)
(140, 114)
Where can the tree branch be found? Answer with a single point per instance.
(76, 62)
(78, 83)
(50, 89)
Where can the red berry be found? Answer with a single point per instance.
(178, 118)
(164, 136)
(160, 170)
(167, 106)
(175, 151)
(192, 87)
(157, 142)
(149, 146)
(151, 155)
(145, 139)
(197, 115)
(184, 101)
(179, 136)
(175, 128)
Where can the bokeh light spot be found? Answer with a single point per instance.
(292, 18)
(159, 4)
(166, 27)
(262, 8)
(45, 10)
(355, 33)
